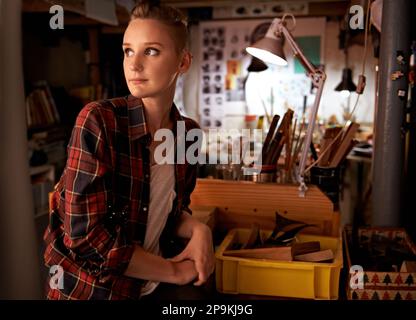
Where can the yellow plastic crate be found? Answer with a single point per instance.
(293, 279)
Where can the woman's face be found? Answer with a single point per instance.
(151, 60)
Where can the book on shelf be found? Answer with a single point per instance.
(41, 110)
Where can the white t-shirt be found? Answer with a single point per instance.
(162, 194)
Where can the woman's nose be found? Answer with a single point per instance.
(136, 64)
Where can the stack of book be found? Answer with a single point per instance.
(41, 109)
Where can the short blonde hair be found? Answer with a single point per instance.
(170, 16)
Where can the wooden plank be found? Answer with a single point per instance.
(248, 197)
(276, 253)
(320, 256)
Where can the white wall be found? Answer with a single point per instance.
(331, 103)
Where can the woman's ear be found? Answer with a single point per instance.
(185, 61)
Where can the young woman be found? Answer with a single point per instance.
(116, 209)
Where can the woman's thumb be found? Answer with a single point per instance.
(180, 257)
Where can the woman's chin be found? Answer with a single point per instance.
(137, 93)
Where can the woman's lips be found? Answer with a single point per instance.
(138, 81)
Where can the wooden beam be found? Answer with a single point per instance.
(223, 3)
(94, 63)
(72, 6)
(77, 6)
(35, 6)
(330, 9)
(77, 20)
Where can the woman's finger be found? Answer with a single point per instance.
(180, 257)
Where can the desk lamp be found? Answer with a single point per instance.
(270, 49)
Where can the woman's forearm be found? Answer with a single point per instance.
(147, 266)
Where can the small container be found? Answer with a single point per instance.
(263, 174)
(328, 179)
(267, 174)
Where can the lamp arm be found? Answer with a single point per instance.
(320, 78)
(309, 67)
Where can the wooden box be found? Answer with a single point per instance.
(241, 203)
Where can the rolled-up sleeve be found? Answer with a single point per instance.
(108, 252)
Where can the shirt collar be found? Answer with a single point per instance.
(137, 120)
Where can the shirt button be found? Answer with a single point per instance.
(146, 176)
(145, 209)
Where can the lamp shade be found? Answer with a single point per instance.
(270, 48)
(346, 83)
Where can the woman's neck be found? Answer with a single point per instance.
(157, 111)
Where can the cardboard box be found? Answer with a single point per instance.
(379, 284)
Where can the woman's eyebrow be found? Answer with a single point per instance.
(153, 43)
(126, 44)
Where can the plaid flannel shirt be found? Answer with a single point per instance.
(100, 206)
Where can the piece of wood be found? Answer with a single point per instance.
(254, 237)
(408, 266)
(275, 253)
(319, 256)
(345, 144)
(329, 136)
(270, 135)
(284, 253)
(288, 150)
(305, 247)
(280, 138)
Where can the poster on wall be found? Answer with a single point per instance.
(226, 88)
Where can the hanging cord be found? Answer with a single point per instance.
(349, 117)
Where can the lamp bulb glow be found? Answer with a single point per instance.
(345, 94)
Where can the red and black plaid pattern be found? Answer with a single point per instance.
(99, 208)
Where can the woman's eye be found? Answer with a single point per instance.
(128, 52)
(151, 52)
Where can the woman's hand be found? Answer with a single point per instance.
(184, 272)
(201, 251)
